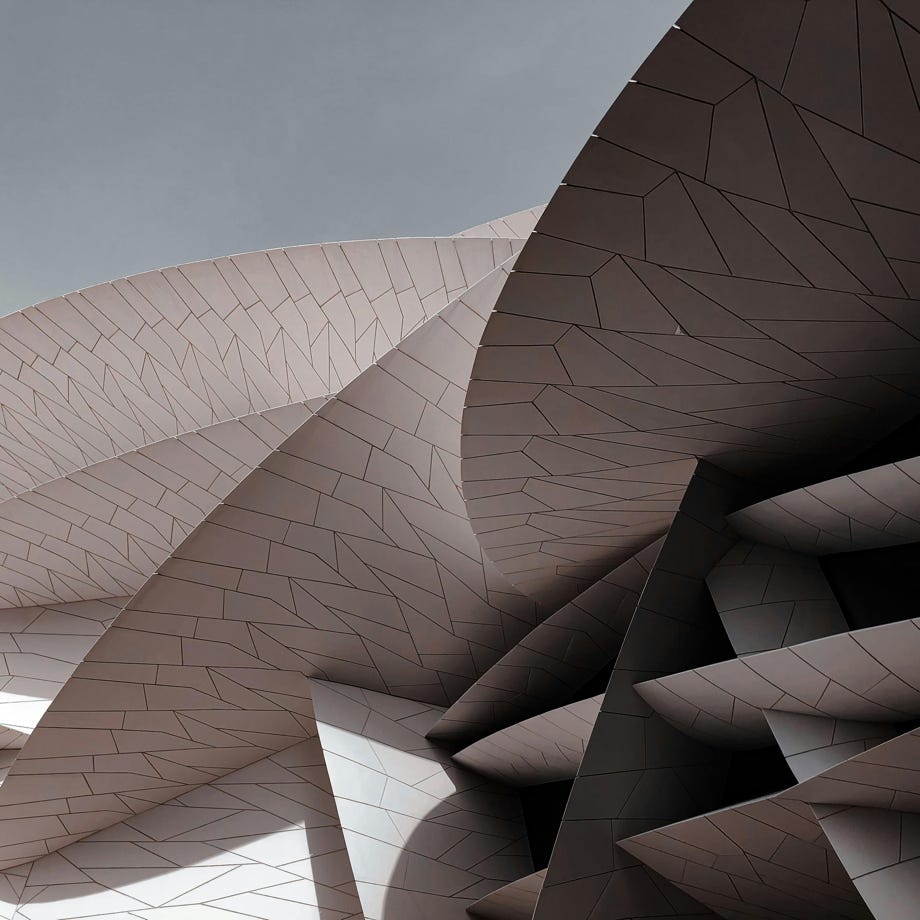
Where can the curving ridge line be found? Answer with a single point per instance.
(864, 675)
(811, 846)
(724, 274)
(555, 659)
(106, 370)
(104, 530)
(131, 409)
(346, 555)
(518, 225)
(762, 859)
(870, 509)
(546, 748)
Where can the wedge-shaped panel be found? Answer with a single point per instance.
(41, 648)
(768, 598)
(264, 841)
(814, 744)
(106, 529)
(515, 901)
(543, 749)
(866, 510)
(880, 851)
(763, 859)
(867, 675)
(639, 772)
(555, 659)
(726, 272)
(346, 554)
(109, 369)
(425, 837)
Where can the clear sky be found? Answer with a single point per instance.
(142, 133)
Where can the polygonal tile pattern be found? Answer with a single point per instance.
(726, 273)
(865, 510)
(555, 659)
(543, 749)
(310, 556)
(764, 859)
(264, 841)
(425, 837)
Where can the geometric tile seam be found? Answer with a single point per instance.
(310, 317)
(40, 648)
(762, 859)
(268, 839)
(864, 675)
(775, 878)
(542, 749)
(770, 598)
(515, 901)
(873, 508)
(104, 530)
(68, 882)
(842, 753)
(728, 272)
(203, 694)
(718, 305)
(832, 703)
(778, 876)
(112, 368)
(264, 841)
(638, 772)
(425, 837)
(555, 659)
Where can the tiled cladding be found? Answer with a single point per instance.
(105, 529)
(109, 369)
(425, 836)
(728, 271)
(40, 648)
(264, 841)
(311, 557)
(346, 554)
(866, 510)
(555, 659)
(542, 749)
(131, 409)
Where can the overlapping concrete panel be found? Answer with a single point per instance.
(542, 749)
(41, 648)
(556, 658)
(638, 772)
(264, 841)
(723, 274)
(424, 836)
(106, 370)
(865, 675)
(866, 510)
(106, 529)
(770, 599)
(879, 850)
(763, 859)
(515, 901)
(453, 483)
(346, 554)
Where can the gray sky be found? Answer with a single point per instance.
(138, 134)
